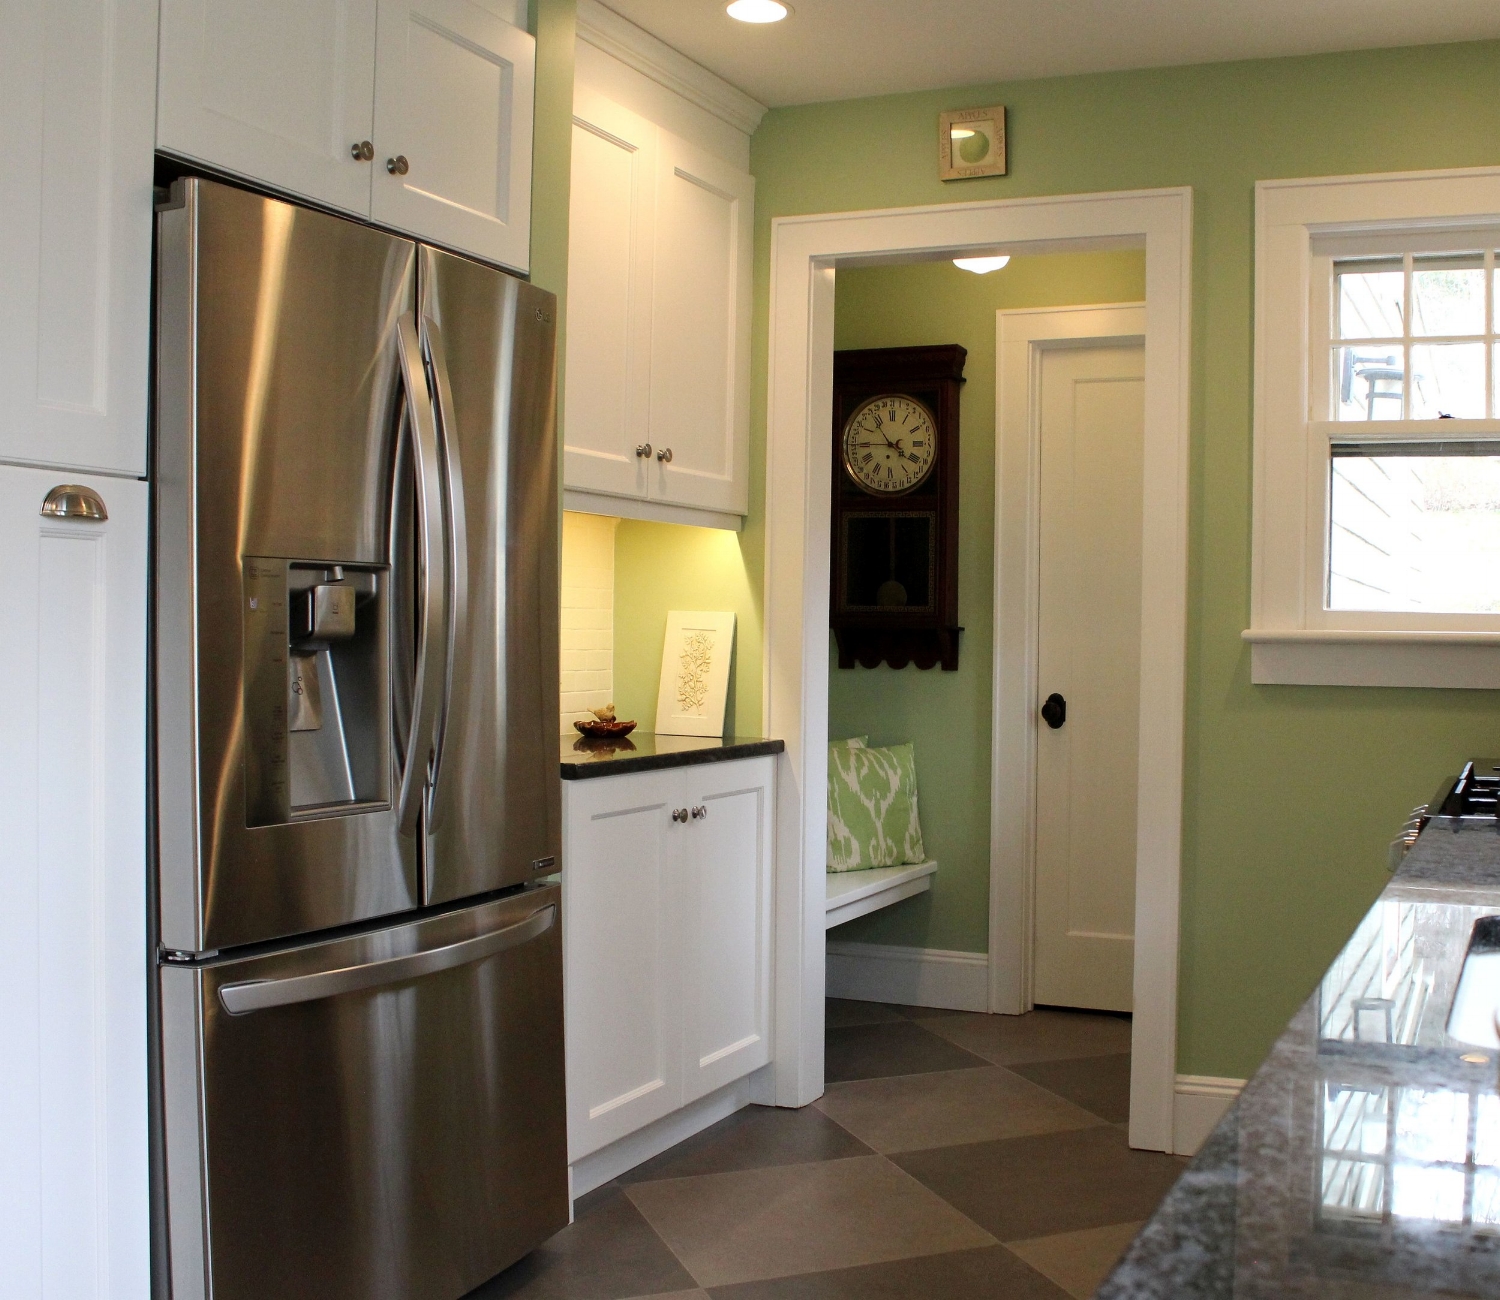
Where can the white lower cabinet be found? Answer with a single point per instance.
(73, 957)
(667, 941)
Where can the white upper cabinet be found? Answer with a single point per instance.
(656, 404)
(700, 329)
(453, 111)
(279, 91)
(414, 113)
(608, 378)
(75, 264)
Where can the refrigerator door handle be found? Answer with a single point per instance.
(457, 537)
(259, 995)
(432, 591)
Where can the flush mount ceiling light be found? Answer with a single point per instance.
(980, 265)
(757, 11)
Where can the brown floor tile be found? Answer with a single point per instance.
(840, 1013)
(1042, 1035)
(609, 1252)
(1040, 1186)
(1078, 1261)
(1097, 1083)
(879, 1051)
(990, 1274)
(789, 1219)
(753, 1138)
(913, 1112)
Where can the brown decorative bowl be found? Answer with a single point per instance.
(605, 730)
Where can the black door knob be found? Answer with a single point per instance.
(1055, 711)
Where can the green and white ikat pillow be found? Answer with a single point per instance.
(872, 807)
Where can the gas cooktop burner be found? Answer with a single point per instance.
(1476, 793)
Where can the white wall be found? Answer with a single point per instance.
(588, 615)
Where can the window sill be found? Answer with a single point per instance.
(1329, 657)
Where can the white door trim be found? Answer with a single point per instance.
(804, 253)
(1021, 337)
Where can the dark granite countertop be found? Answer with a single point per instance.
(641, 751)
(1355, 1166)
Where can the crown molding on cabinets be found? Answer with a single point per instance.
(605, 30)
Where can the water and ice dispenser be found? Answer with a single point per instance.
(317, 689)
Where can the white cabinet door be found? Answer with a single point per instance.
(724, 853)
(280, 91)
(700, 329)
(453, 109)
(78, 118)
(607, 375)
(73, 957)
(621, 919)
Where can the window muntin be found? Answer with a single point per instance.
(1414, 337)
(1414, 527)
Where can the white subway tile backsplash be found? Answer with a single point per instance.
(588, 616)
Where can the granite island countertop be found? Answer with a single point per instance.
(641, 751)
(1363, 1159)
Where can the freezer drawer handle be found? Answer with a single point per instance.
(257, 995)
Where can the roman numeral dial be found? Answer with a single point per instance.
(890, 443)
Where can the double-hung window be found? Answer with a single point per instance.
(1377, 431)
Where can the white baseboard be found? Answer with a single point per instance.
(597, 1168)
(917, 977)
(1198, 1104)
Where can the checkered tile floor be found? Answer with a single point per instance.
(959, 1156)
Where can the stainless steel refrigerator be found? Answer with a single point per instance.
(357, 807)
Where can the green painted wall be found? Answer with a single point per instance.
(947, 715)
(670, 566)
(1290, 793)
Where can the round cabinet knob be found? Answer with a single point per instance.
(1055, 711)
(680, 815)
(699, 813)
(74, 501)
(643, 450)
(664, 455)
(397, 166)
(362, 151)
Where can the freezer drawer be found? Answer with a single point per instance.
(371, 1117)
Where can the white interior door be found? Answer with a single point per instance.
(607, 375)
(1090, 403)
(453, 110)
(279, 91)
(700, 338)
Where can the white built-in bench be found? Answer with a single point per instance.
(858, 893)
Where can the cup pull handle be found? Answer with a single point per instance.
(74, 501)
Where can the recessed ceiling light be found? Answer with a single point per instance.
(980, 265)
(757, 11)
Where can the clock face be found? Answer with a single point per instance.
(890, 443)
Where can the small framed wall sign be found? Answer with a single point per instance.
(971, 142)
(694, 673)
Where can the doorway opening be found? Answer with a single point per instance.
(807, 253)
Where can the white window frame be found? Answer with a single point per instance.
(1301, 228)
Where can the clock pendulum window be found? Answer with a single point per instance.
(893, 597)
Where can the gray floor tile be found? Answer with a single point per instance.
(753, 1138)
(789, 1219)
(925, 1013)
(840, 1013)
(1078, 1261)
(1040, 1186)
(1042, 1035)
(913, 1112)
(609, 1252)
(880, 1051)
(1097, 1083)
(989, 1274)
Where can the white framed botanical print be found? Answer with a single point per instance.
(695, 662)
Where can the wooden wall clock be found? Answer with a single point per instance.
(894, 592)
